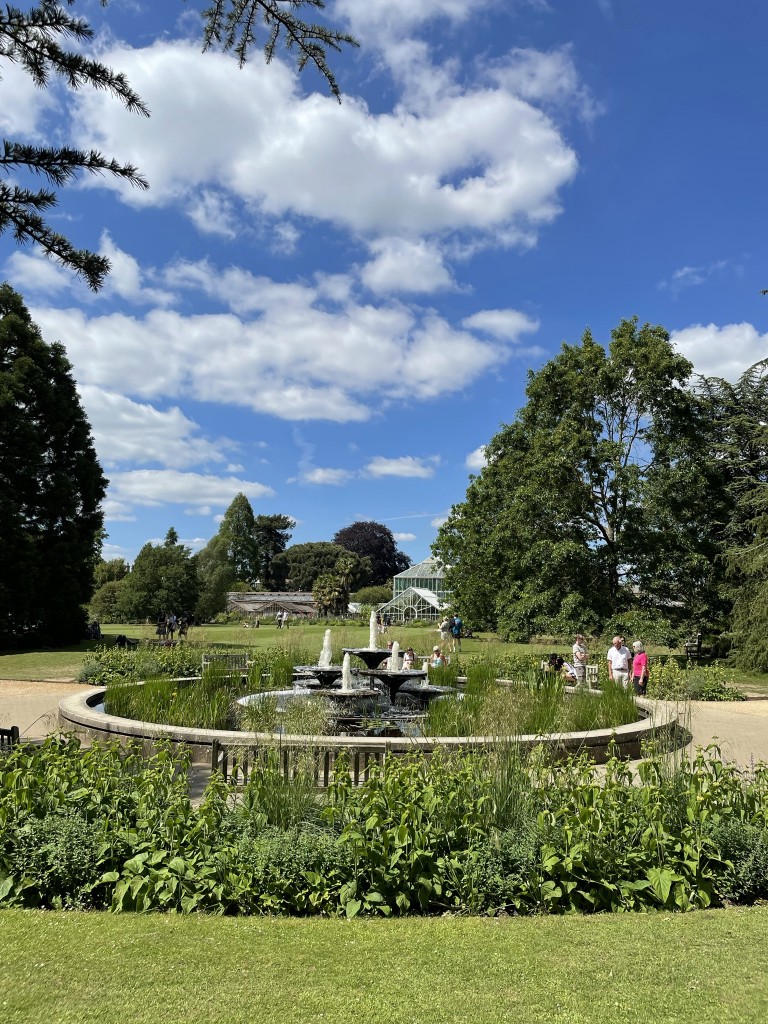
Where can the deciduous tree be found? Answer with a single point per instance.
(374, 541)
(587, 506)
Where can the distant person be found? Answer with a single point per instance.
(639, 668)
(183, 628)
(568, 672)
(409, 659)
(279, 620)
(437, 660)
(580, 656)
(171, 625)
(445, 630)
(456, 625)
(618, 662)
(161, 628)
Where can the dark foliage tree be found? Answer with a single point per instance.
(592, 502)
(738, 426)
(298, 567)
(35, 41)
(237, 530)
(374, 541)
(51, 484)
(271, 534)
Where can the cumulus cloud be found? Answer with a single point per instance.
(316, 352)
(438, 521)
(507, 324)
(155, 487)
(721, 351)
(319, 475)
(403, 538)
(405, 266)
(550, 79)
(406, 466)
(480, 159)
(476, 460)
(128, 431)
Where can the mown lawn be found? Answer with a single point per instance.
(699, 968)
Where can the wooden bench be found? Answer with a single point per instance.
(232, 664)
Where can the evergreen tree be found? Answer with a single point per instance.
(237, 530)
(216, 577)
(33, 40)
(271, 534)
(51, 484)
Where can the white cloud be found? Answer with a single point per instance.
(507, 324)
(334, 477)
(126, 278)
(480, 159)
(405, 266)
(476, 460)
(403, 538)
(128, 431)
(406, 466)
(438, 522)
(23, 103)
(550, 79)
(721, 351)
(154, 487)
(692, 277)
(212, 213)
(311, 360)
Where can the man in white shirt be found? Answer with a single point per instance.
(618, 662)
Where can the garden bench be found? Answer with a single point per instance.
(233, 664)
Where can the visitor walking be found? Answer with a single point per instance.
(445, 630)
(639, 668)
(618, 662)
(580, 660)
(456, 625)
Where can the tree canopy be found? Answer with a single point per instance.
(51, 484)
(35, 41)
(592, 500)
(374, 541)
(298, 567)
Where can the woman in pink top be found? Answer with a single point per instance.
(639, 667)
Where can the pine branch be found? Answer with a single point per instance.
(18, 210)
(232, 24)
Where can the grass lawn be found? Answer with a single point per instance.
(700, 968)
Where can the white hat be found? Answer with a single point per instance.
(435, 648)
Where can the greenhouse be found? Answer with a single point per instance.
(418, 593)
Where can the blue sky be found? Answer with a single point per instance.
(332, 308)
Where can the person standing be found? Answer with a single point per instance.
(456, 625)
(618, 662)
(580, 660)
(445, 629)
(639, 668)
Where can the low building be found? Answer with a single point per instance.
(296, 603)
(418, 593)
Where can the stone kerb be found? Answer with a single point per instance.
(77, 715)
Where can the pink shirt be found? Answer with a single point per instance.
(640, 664)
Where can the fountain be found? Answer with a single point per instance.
(323, 673)
(412, 681)
(372, 655)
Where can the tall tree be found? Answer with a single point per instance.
(163, 580)
(51, 484)
(299, 566)
(374, 541)
(271, 534)
(572, 520)
(237, 530)
(34, 39)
